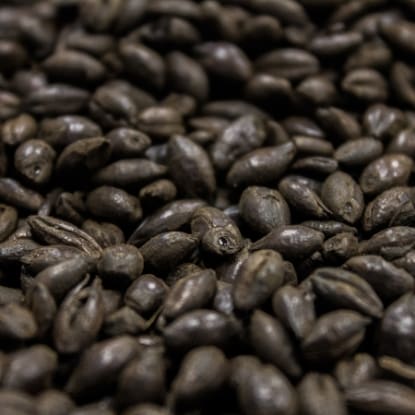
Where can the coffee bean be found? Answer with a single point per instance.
(351, 372)
(272, 344)
(263, 209)
(385, 172)
(190, 168)
(378, 396)
(334, 335)
(199, 328)
(303, 198)
(146, 294)
(79, 318)
(31, 369)
(143, 379)
(112, 203)
(343, 289)
(259, 276)
(261, 166)
(100, 364)
(168, 249)
(291, 241)
(190, 293)
(207, 363)
(217, 233)
(317, 391)
(239, 138)
(358, 152)
(343, 196)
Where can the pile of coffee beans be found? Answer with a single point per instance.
(207, 207)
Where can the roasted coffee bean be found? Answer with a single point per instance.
(400, 35)
(317, 391)
(83, 156)
(143, 379)
(40, 257)
(146, 294)
(124, 321)
(16, 402)
(79, 318)
(199, 328)
(340, 123)
(239, 138)
(116, 103)
(294, 306)
(112, 203)
(316, 165)
(120, 264)
(129, 172)
(366, 85)
(272, 344)
(158, 193)
(55, 231)
(160, 121)
(33, 160)
(42, 304)
(334, 335)
(344, 289)
(340, 247)
(385, 172)
(371, 54)
(290, 63)
(54, 402)
(263, 209)
(291, 241)
(343, 196)
(171, 217)
(8, 221)
(383, 122)
(403, 142)
(389, 281)
(258, 277)
(217, 233)
(105, 233)
(390, 243)
(313, 145)
(190, 168)
(396, 337)
(261, 166)
(127, 142)
(15, 194)
(392, 207)
(302, 198)
(143, 64)
(329, 227)
(381, 396)
(56, 99)
(396, 369)
(31, 369)
(17, 323)
(168, 249)
(203, 372)
(225, 60)
(354, 371)
(187, 76)
(189, 293)
(265, 390)
(19, 129)
(101, 364)
(66, 129)
(359, 152)
(74, 67)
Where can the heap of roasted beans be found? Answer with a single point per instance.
(207, 207)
